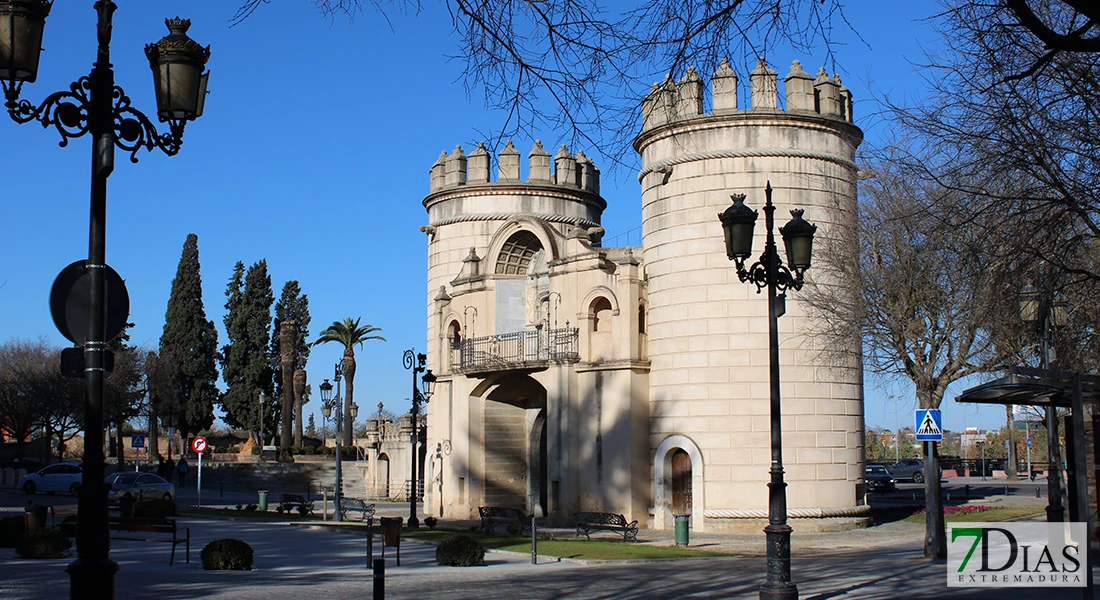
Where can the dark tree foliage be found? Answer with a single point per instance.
(246, 366)
(292, 305)
(125, 388)
(188, 350)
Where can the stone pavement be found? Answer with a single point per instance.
(296, 561)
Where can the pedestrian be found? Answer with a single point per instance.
(181, 470)
(169, 468)
(161, 467)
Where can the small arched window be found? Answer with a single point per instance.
(641, 318)
(455, 333)
(516, 254)
(601, 314)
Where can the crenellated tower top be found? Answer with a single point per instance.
(670, 102)
(569, 170)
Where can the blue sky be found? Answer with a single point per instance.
(321, 133)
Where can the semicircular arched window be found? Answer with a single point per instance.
(516, 254)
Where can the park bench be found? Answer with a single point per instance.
(593, 521)
(138, 526)
(298, 502)
(491, 515)
(349, 504)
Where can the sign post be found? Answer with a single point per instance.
(199, 446)
(137, 442)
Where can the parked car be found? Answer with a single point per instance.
(61, 477)
(878, 479)
(909, 468)
(137, 485)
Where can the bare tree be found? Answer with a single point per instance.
(926, 291)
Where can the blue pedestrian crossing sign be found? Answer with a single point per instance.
(137, 441)
(929, 425)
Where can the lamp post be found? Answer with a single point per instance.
(328, 405)
(769, 272)
(981, 445)
(417, 364)
(95, 105)
(1048, 311)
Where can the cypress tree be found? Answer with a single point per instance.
(188, 348)
(245, 365)
(292, 305)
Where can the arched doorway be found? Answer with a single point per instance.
(681, 482)
(382, 476)
(515, 461)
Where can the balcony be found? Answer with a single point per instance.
(528, 349)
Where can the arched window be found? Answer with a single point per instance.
(455, 333)
(601, 314)
(516, 254)
(641, 318)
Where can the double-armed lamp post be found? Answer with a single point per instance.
(417, 363)
(769, 272)
(95, 105)
(328, 404)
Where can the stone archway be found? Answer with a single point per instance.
(514, 454)
(382, 476)
(690, 484)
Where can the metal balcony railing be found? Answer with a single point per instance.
(515, 350)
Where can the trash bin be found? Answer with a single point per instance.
(682, 522)
(263, 500)
(34, 516)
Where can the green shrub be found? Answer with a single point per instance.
(227, 554)
(514, 530)
(431, 522)
(158, 507)
(460, 551)
(11, 530)
(44, 543)
(251, 507)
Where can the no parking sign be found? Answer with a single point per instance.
(199, 446)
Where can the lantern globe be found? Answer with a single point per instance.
(798, 238)
(21, 25)
(178, 62)
(738, 222)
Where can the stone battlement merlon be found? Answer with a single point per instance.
(571, 171)
(670, 102)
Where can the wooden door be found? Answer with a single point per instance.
(681, 483)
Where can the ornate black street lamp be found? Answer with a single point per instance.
(737, 223)
(417, 363)
(95, 105)
(328, 405)
(1048, 312)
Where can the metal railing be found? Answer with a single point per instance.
(419, 489)
(515, 350)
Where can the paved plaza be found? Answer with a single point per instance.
(297, 561)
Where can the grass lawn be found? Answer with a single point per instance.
(955, 514)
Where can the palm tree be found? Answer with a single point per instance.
(348, 333)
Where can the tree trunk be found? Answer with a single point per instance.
(349, 376)
(935, 537)
(299, 393)
(287, 337)
(1010, 468)
(154, 432)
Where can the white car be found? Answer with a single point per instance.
(140, 486)
(62, 477)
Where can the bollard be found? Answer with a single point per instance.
(221, 487)
(370, 540)
(1037, 492)
(949, 496)
(534, 542)
(380, 579)
(1006, 490)
(324, 505)
(966, 491)
(914, 496)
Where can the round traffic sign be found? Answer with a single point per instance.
(198, 445)
(69, 299)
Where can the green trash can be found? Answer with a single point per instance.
(263, 500)
(682, 522)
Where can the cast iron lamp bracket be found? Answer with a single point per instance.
(68, 113)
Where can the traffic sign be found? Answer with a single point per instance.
(929, 425)
(69, 299)
(137, 441)
(1028, 442)
(198, 445)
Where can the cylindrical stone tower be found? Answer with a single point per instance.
(708, 342)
